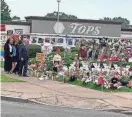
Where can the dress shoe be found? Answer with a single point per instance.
(25, 76)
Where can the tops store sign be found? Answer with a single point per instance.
(82, 29)
(69, 28)
(77, 28)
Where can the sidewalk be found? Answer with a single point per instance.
(60, 94)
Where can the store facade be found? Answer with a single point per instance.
(66, 27)
(126, 33)
(74, 27)
(13, 27)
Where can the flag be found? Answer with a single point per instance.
(58, 51)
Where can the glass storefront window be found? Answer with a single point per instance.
(40, 40)
(34, 39)
(47, 40)
(60, 40)
(52, 40)
(70, 41)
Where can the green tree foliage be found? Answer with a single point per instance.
(61, 15)
(15, 18)
(125, 21)
(5, 11)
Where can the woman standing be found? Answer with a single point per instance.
(16, 58)
(8, 54)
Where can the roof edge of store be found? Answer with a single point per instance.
(15, 22)
(72, 20)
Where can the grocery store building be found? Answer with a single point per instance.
(78, 27)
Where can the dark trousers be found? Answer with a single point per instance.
(55, 69)
(23, 67)
(8, 64)
(16, 70)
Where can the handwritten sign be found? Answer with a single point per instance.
(39, 57)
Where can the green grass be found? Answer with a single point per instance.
(91, 85)
(2, 64)
(5, 78)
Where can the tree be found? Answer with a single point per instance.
(61, 15)
(15, 18)
(125, 21)
(5, 11)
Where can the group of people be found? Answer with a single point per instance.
(16, 56)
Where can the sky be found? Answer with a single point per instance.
(84, 9)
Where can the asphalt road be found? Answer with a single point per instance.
(14, 109)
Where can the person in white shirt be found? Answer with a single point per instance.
(8, 54)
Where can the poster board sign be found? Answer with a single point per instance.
(40, 57)
(19, 31)
(9, 32)
(2, 27)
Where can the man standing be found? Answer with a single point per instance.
(23, 57)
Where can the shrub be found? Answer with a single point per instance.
(32, 61)
(74, 49)
(33, 49)
(54, 73)
(48, 65)
(51, 54)
(125, 79)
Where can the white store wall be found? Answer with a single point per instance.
(17, 29)
(126, 33)
(25, 28)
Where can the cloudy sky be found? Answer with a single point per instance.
(89, 9)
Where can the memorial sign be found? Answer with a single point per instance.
(40, 57)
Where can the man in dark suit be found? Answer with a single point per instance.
(23, 57)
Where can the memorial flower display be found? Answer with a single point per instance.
(102, 62)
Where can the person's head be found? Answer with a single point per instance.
(16, 42)
(25, 41)
(8, 40)
(11, 41)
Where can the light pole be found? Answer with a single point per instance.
(58, 10)
(58, 18)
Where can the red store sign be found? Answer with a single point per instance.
(2, 27)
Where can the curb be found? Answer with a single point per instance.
(123, 111)
(24, 100)
(16, 99)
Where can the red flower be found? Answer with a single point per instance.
(122, 40)
(75, 65)
(130, 69)
(101, 58)
(58, 51)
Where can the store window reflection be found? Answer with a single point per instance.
(47, 40)
(60, 40)
(34, 39)
(40, 40)
(70, 42)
